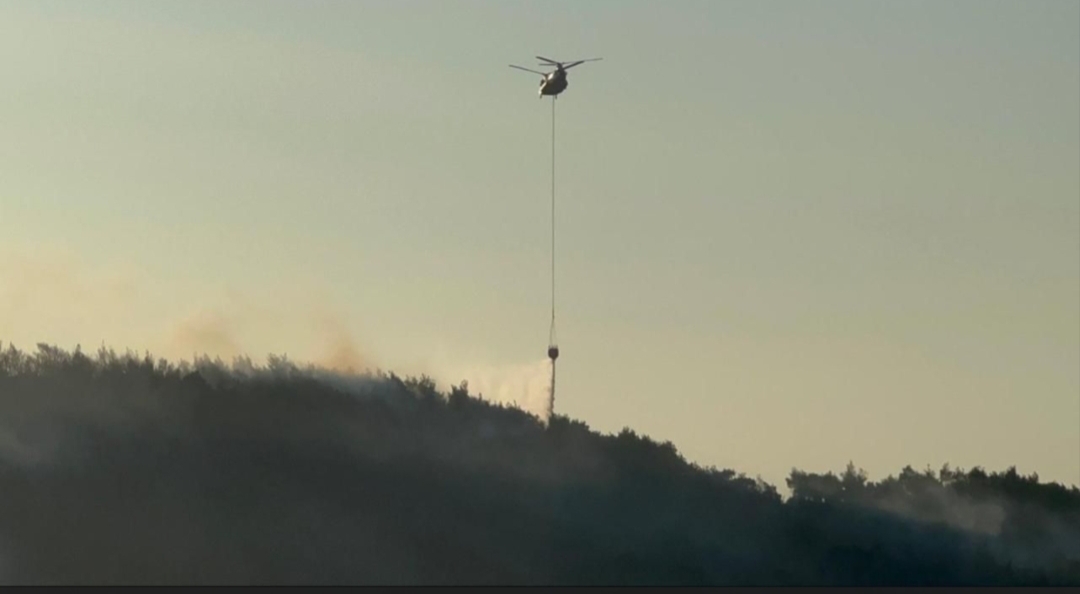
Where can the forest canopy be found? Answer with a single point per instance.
(127, 469)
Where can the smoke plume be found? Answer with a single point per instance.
(526, 386)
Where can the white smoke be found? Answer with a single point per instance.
(22, 451)
(527, 386)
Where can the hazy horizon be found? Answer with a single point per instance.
(787, 232)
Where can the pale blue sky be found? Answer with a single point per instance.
(790, 233)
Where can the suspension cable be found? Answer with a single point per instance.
(552, 337)
(553, 347)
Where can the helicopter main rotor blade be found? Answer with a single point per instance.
(548, 60)
(529, 70)
(578, 62)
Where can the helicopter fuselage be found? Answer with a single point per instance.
(553, 84)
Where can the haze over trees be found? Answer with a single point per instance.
(126, 469)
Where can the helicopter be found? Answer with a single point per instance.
(554, 82)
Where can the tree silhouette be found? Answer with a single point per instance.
(125, 469)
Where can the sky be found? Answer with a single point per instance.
(788, 234)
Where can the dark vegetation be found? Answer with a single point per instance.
(123, 469)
